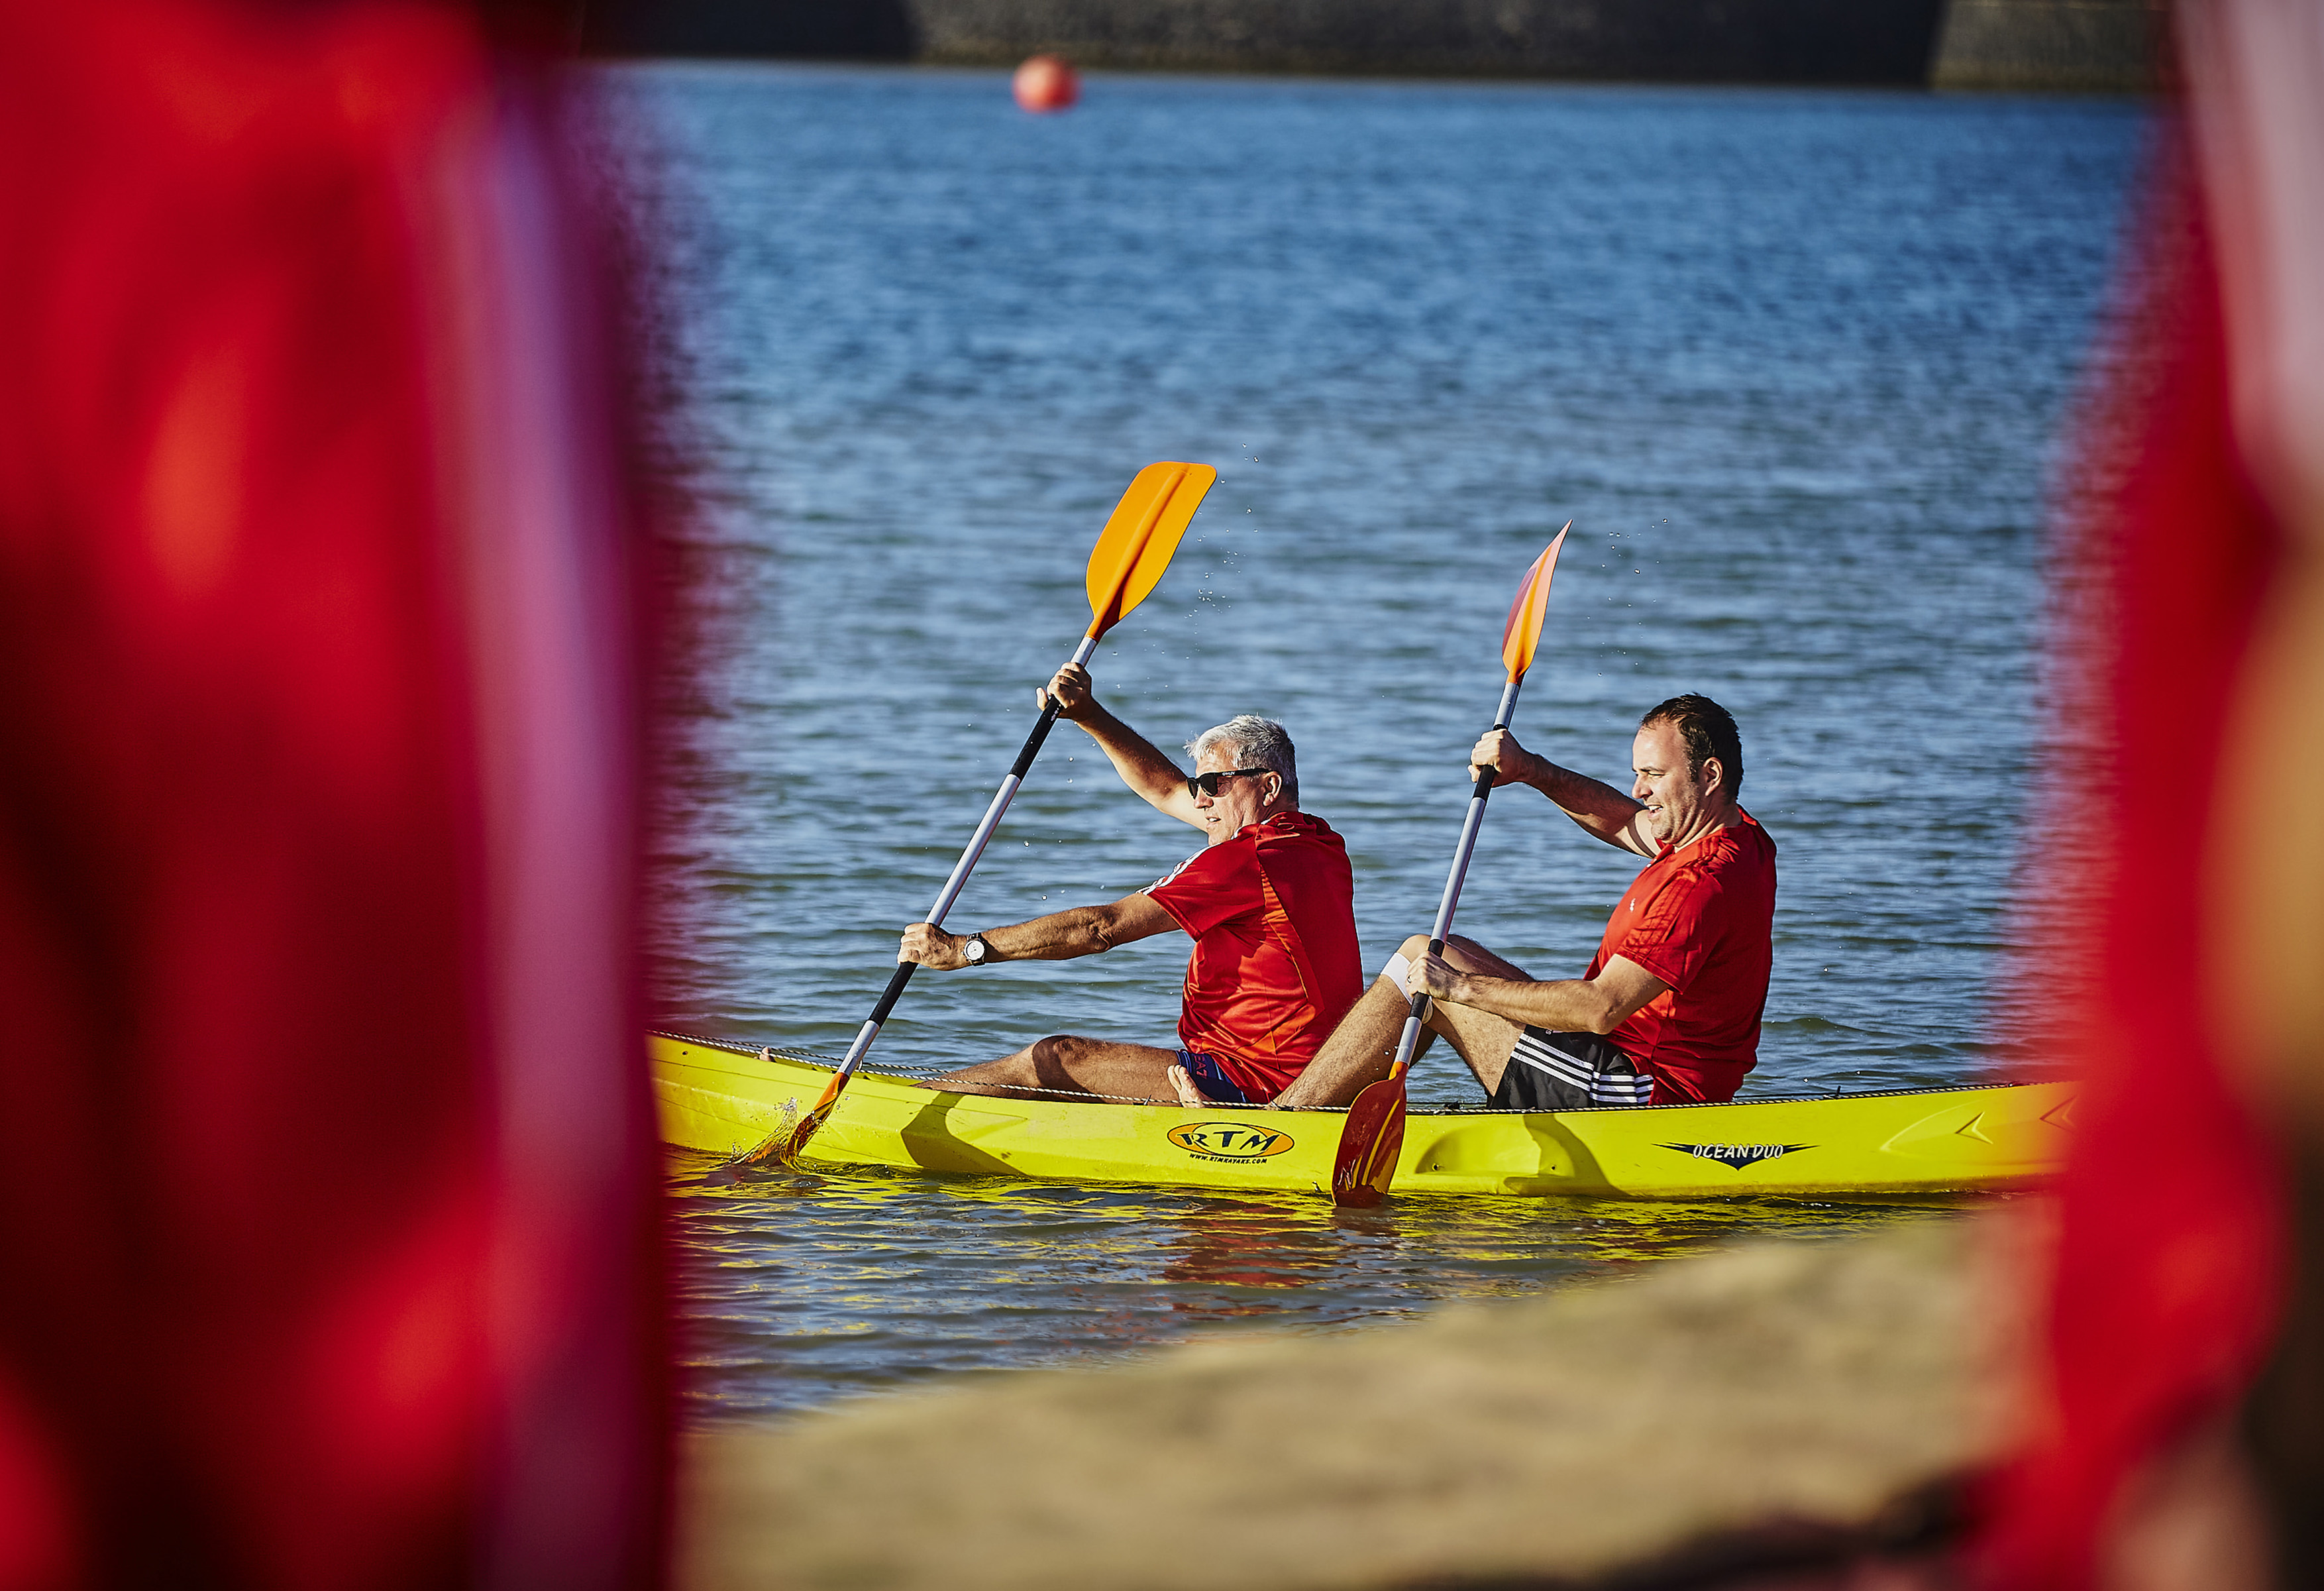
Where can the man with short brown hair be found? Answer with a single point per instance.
(1668, 1011)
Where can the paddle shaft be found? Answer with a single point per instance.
(962, 868)
(1475, 821)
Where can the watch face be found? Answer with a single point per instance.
(976, 952)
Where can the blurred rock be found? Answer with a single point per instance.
(1780, 1405)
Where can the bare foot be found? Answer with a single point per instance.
(1182, 1084)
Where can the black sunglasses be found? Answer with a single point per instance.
(1208, 783)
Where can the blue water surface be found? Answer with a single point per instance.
(1797, 365)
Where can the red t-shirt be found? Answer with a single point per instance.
(1701, 918)
(1275, 962)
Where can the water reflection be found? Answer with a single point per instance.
(1237, 1243)
(803, 1288)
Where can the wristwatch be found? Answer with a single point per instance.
(978, 952)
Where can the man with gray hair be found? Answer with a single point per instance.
(1268, 903)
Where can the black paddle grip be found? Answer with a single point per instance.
(1024, 763)
(1484, 790)
(904, 970)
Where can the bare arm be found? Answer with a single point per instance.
(1602, 812)
(1082, 931)
(1569, 1005)
(1155, 777)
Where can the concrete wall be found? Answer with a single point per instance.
(783, 29)
(1664, 41)
(2101, 46)
(1658, 41)
(2076, 45)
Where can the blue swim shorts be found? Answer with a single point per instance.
(1212, 1079)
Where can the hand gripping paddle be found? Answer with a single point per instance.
(1373, 1132)
(1129, 559)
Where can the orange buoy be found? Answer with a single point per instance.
(1046, 83)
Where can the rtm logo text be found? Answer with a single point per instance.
(1229, 1141)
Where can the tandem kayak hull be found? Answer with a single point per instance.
(727, 1100)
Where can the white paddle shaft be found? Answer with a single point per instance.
(1470, 823)
(992, 814)
(962, 868)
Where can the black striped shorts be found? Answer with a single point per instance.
(1568, 1072)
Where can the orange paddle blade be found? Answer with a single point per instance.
(1369, 1141)
(1523, 633)
(789, 1148)
(1141, 537)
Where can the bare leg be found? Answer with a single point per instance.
(1362, 1047)
(1064, 1064)
(1483, 1040)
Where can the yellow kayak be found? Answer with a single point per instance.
(729, 1098)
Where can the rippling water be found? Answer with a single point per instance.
(1794, 362)
(807, 1288)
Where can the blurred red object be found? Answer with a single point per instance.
(2167, 1273)
(2179, 1442)
(327, 1171)
(1046, 83)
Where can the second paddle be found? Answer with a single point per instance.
(1373, 1132)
